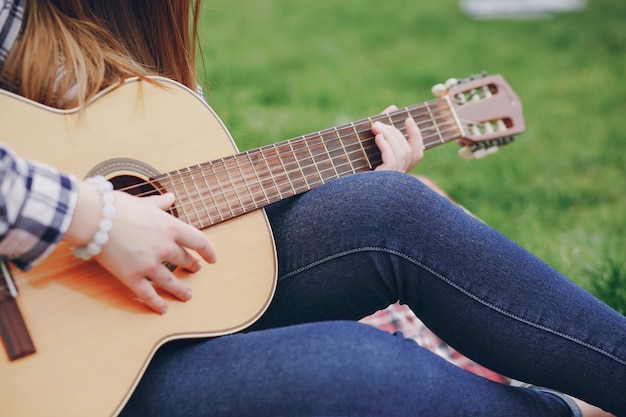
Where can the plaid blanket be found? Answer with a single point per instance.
(399, 317)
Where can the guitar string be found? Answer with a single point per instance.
(251, 201)
(278, 186)
(304, 138)
(393, 117)
(229, 202)
(290, 144)
(222, 194)
(277, 147)
(336, 132)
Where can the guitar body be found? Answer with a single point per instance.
(93, 339)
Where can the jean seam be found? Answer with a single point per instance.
(456, 286)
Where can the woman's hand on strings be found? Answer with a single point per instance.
(143, 237)
(399, 153)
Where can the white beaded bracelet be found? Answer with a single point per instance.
(101, 237)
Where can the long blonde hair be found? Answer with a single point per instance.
(83, 46)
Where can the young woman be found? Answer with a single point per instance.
(345, 250)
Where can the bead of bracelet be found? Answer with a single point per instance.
(101, 237)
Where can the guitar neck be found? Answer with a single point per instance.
(219, 190)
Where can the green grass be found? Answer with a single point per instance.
(277, 69)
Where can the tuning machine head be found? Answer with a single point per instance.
(486, 111)
(441, 89)
(480, 150)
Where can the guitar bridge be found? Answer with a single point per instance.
(13, 331)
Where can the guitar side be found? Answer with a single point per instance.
(93, 339)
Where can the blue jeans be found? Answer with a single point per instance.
(354, 246)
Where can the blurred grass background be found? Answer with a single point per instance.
(276, 69)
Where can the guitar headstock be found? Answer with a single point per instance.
(487, 111)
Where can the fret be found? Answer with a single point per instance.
(223, 185)
(321, 157)
(185, 177)
(352, 146)
(234, 200)
(258, 180)
(325, 143)
(400, 118)
(448, 125)
(390, 119)
(341, 153)
(443, 121)
(369, 143)
(269, 177)
(407, 114)
(181, 195)
(269, 186)
(425, 123)
(245, 170)
(345, 143)
(306, 164)
(278, 171)
(434, 123)
(200, 200)
(209, 188)
(365, 154)
(454, 120)
(312, 170)
(301, 180)
(218, 192)
(285, 170)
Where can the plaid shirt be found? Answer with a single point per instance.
(11, 16)
(36, 207)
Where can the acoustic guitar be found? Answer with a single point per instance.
(76, 343)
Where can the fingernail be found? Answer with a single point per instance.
(164, 309)
(188, 294)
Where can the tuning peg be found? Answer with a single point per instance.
(451, 83)
(439, 90)
(466, 153)
(480, 153)
(472, 152)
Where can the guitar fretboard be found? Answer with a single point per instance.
(220, 190)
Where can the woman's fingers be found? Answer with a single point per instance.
(194, 239)
(399, 153)
(145, 291)
(162, 201)
(166, 280)
(148, 281)
(145, 238)
(389, 158)
(185, 235)
(181, 257)
(415, 140)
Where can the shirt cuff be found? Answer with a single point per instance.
(48, 205)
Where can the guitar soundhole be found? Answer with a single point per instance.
(133, 185)
(139, 187)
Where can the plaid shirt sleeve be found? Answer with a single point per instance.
(11, 17)
(36, 207)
